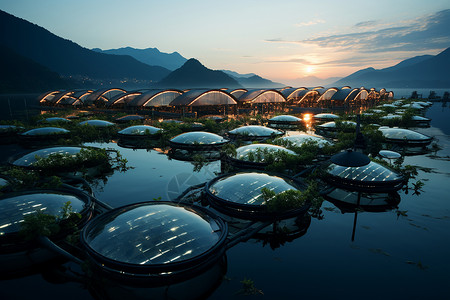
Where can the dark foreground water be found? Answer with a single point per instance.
(402, 253)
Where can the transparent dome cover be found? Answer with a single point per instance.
(153, 234)
(29, 159)
(402, 134)
(285, 118)
(389, 154)
(299, 139)
(199, 138)
(16, 206)
(97, 123)
(420, 119)
(332, 124)
(326, 116)
(245, 188)
(257, 152)
(140, 130)
(370, 173)
(255, 131)
(45, 131)
(55, 120)
(413, 105)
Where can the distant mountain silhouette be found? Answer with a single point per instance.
(237, 75)
(66, 57)
(20, 74)
(256, 81)
(424, 71)
(195, 75)
(149, 56)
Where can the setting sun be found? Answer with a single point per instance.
(309, 69)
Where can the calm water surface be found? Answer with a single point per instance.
(392, 256)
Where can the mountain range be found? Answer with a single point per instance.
(425, 71)
(195, 75)
(53, 62)
(149, 56)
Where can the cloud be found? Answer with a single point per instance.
(309, 23)
(425, 33)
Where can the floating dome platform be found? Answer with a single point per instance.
(413, 105)
(389, 154)
(197, 140)
(325, 117)
(284, 121)
(158, 241)
(16, 252)
(299, 139)
(254, 155)
(347, 201)
(405, 136)
(44, 133)
(96, 123)
(421, 121)
(370, 177)
(239, 195)
(140, 131)
(254, 132)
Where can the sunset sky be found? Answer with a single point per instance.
(280, 40)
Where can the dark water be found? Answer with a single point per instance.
(392, 256)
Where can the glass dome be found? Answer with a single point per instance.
(28, 160)
(331, 126)
(240, 193)
(155, 237)
(197, 139)
(254, 132)
(16, 206)
(299, 139)
(56, 120)
(256, 154)
(372, 176)
(377, 111)
(413, 106)
(45, 132)
(389, 154)
(405, 136)
(284, 121)
(139, 130)
(97, 123)
(325, 116)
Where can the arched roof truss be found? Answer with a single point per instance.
(262, 96)
(292, 93)
(306, 94)
(204, 98)
(327, 94)
(344, 94)
(48, 96)
(104, 94)
(123, 98)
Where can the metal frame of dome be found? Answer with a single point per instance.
(198, 146)
(244, 164)
(252, 212)
(14, 242)
(409, 142)
(160, 272)
(248, 137)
